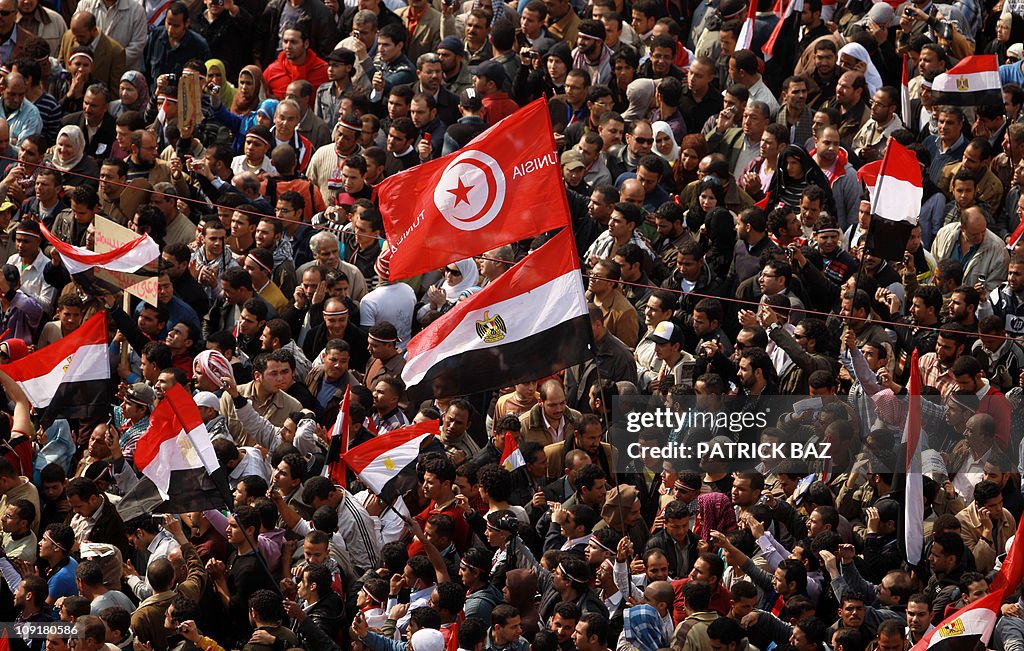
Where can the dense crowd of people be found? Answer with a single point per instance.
(713, 175)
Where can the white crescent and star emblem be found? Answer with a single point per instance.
(471, 191)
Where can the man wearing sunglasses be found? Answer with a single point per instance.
(639, 142)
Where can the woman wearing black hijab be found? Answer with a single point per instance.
(796, 171)
(718, 237)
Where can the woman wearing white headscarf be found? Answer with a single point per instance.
(858, 60)
(458, 277)
(667, 149)
(68, 156)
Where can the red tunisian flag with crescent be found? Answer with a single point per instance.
(504, 186)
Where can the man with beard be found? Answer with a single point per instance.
(586, 437)
(1007, 302)
(852, 105)
(592, 54)
(825, 75)
(144, 163)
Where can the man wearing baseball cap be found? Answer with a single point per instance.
(340, 66)
(469, 126)
(573, 170)
(488, 78)
(675, 363)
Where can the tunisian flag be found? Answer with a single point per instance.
(530, 322)
(129, 257)
(504, 186)
(70, 377)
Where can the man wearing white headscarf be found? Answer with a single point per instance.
(854, 58)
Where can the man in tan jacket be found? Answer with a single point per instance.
(985, 525)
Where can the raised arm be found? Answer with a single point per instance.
(22, 422)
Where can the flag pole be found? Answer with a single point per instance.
(220, 481)
(871, 224)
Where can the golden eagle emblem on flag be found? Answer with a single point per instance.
(954, 628)
(388, 463)
(188, 451)
(491, 328)
(67, 363)
(962, 84)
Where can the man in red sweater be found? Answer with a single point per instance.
(488, 79)
(294, 61)
(971, 377)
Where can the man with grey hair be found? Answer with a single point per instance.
(430, 80)
(179, 228)
(310, 125)
(494, 263)
(327, 254)
(740, 145)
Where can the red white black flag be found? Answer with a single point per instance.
(530, 322)
(71, 376)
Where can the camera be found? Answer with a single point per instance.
(217, 3)
(215, 88)
(172, 78)
(908, 12)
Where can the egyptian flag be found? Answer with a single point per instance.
(913, 518)
(70, 378)
(967, 629)
(895, 201)
(176, 456)
(972, 82)
(127, 258)
(746, 37)
(511, 457)
(333, 466)
(1016, 235)
(504, 186)
(1011, 572)
(905, 91)
(530, 322)
(386, 464)
(794, 6)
